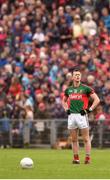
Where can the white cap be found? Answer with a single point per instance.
(88, 15)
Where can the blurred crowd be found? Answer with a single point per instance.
(40, 43)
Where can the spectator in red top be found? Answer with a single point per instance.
(15, 88)
(3, 37)
(62, 2)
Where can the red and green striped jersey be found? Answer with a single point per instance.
(78, 97)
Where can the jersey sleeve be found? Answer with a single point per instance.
(89, 90)
(66, 93)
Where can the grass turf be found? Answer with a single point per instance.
(53, 164)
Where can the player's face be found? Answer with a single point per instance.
(77, 76)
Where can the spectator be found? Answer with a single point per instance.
(39, 36)
(15, 88)
(100, 4)
(3, 38)
(40, 43)
(89, 26)
(88, 6)
(77, 27)
(106, 18)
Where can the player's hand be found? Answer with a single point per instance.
(68, 112)
(84, 111)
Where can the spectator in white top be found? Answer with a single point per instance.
(39, 36)
(88, 6)
(89, 25)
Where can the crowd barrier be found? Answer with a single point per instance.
(52, 133)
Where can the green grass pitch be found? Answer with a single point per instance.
(53, 164)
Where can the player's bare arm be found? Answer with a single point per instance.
(96, 101)
(64, 103)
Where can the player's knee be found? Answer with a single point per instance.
(74, 140)
(86, 140)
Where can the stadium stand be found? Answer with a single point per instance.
(40, 43)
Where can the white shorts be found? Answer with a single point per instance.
(77, 121)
